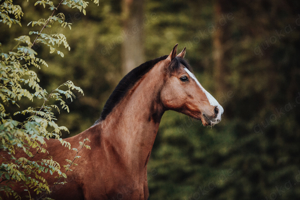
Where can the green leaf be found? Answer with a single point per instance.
(7, 176)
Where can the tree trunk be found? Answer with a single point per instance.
(132, 47)
(219, 40)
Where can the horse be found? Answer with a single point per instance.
(122, 138)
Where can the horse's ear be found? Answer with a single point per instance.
(172, 55)
(182, 53)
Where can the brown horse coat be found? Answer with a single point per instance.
(122, 139)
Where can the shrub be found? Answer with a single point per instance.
(17, 82)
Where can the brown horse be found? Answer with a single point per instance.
(122, 139)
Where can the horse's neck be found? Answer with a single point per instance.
(133, 124)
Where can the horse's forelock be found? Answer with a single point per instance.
(175, 64)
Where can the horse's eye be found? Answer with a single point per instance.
(184, 78)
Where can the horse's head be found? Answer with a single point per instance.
(183, 93)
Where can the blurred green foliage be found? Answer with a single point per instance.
(254, 152)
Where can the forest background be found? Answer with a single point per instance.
(245, 53)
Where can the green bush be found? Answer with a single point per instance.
(18, 82)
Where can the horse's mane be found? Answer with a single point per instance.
(126, 84)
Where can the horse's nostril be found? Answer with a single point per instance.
(216, 110)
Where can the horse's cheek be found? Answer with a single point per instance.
(170, 99)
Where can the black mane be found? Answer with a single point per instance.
(126, 84)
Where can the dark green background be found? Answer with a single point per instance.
(254, 152)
